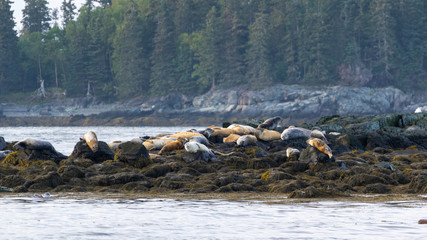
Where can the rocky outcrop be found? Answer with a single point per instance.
(384, 154)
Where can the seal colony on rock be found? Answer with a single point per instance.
(91, 140)
(267, 135)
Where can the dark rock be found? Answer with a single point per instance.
(236, 187)
(82, 150)
(364, 179)
(287, 187)
(294, 167)
(100, 180)
(126, 177)
(312, 156)
(68, 172)
(376, 188)
(139, 186)
(312, 192)
(12, 181)
(47, 181)
(134, 154)
(157, 170)
(419, 184)
(2, 143)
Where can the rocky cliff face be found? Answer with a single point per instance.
(287, 101)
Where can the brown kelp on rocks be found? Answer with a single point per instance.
(365, 155)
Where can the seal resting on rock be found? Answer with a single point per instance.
(231, 138)
(172, 146)
(241, 129)
(246, 140)
(317, 133)
(91, 140)
(156, 144)
(267, 135)
(295, 133)
(200, 139)
(270, 123)
(34, 144)
(321, 146)
(186, 135)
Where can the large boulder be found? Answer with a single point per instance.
(82, 150)
(134, 154)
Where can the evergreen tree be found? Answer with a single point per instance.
(68, 11)
(8, 49)
(208, 51)
(162, 58)
(131, 55)
(258, 73)
(36, 16)
(235, 38)
(383, 41)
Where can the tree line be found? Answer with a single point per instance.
(120, 49)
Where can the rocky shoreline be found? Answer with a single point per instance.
(297, 104)
(376, 154)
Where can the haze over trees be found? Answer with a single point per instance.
(120, 49)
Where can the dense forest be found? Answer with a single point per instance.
(120, 49)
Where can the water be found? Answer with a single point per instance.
(65, 138)
(89, 217)
(96, 216)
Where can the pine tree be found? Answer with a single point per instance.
(36, 16)
(162, 58)
(235, 38)
(68, 11)
(208, 51)
(258, 73)
(8, 49)
(131, 63)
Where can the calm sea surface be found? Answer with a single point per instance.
(103, 216)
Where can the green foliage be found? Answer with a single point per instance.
(134, 48)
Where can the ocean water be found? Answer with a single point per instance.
(123, 217)
(106, 216)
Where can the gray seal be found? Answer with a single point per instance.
(34, 144)
(270, 123)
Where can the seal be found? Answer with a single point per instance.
(317, 133)
(321, 146)
(295, 133)
(91, 140)
(34, 144)
(292, 151)
(113, 145)
(241, 129)
(267, 135)
(221, 132)
(172, 146)
(246, 140)
(200, 139)
(156, 143)
(186, 135)
(270, 123)
(231, 138)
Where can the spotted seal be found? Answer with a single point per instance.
(270, 123)
(246, 140)
(321, 146)
(172, 146)
(156, 143)
(267, 135)
(91, 140)
(295, 133)
(34, 144)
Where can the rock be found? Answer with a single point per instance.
(2, 143)
(312, 156)
(132, 153)
(157, 170)
(68, 172)
(47, 181)
(25, 157)
(82, 150)
(12, 181)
